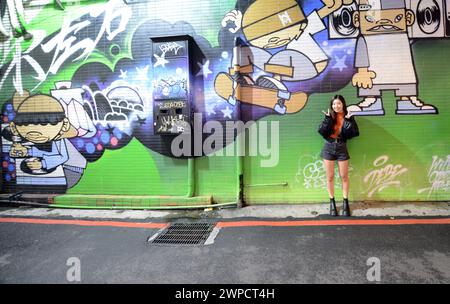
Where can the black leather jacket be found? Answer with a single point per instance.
(348, 131)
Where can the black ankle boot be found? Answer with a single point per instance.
(333, 210)
(345, 208)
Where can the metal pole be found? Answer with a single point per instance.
(240, 158)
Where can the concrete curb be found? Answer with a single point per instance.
(357, 209)
(378, 209)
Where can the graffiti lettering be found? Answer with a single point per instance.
(170, 88)
(65, 44)
(383, 177)
(313, 174)
(172, 105)
(172, 123)
(62, 43)
(170, 47)
(438, 176)
(20, 56)
(119, 103)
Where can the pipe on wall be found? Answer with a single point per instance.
(239, 144)
(191, 178)
(35, 204)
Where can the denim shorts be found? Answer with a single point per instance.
(335, 151)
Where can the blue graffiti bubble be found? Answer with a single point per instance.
(9, 107)
(80, 143)
(8, 177)
(11, 168)
(117, 134)
(10, 117)
(95, 140)
(105, 138)
(90, 148)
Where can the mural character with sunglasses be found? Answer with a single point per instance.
(44, 129)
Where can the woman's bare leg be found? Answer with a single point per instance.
(329, 169)
(343, 173)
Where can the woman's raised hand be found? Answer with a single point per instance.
(326, 113)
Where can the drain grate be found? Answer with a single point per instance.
(183, 234)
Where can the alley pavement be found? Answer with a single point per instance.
(274, 244)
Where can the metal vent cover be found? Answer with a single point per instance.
(185, 234)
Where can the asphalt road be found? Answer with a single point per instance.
(68, 253)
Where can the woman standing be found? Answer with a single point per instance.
(337, 127)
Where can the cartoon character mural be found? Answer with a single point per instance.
(383, 58)
(267, 27)
(282, 56)
(40, 146)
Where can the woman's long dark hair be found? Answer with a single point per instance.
(344, 106)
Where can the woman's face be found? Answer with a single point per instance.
(338, 107)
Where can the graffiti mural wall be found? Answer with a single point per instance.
(114, 97)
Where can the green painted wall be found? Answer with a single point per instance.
(104, 48)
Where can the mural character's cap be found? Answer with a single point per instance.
(262, 18)
(365, 5)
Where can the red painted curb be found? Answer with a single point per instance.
(298, 223)
(333, 223)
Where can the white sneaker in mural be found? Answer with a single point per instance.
(279, 108)
(283, 93)
(414, 106)
(367, 107)
(272, 83)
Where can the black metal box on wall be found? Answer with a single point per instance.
(174, 61)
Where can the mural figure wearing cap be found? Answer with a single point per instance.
(41, 120)
(269, 24)
(383, 58)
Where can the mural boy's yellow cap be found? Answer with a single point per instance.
(264, 17)
(40, 103)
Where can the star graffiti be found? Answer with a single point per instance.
(160, 61)
(110, 129)
(204, 69)
(227, 112)
(141, 121)
(340, 63)
(123, 74)
(210, 111)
